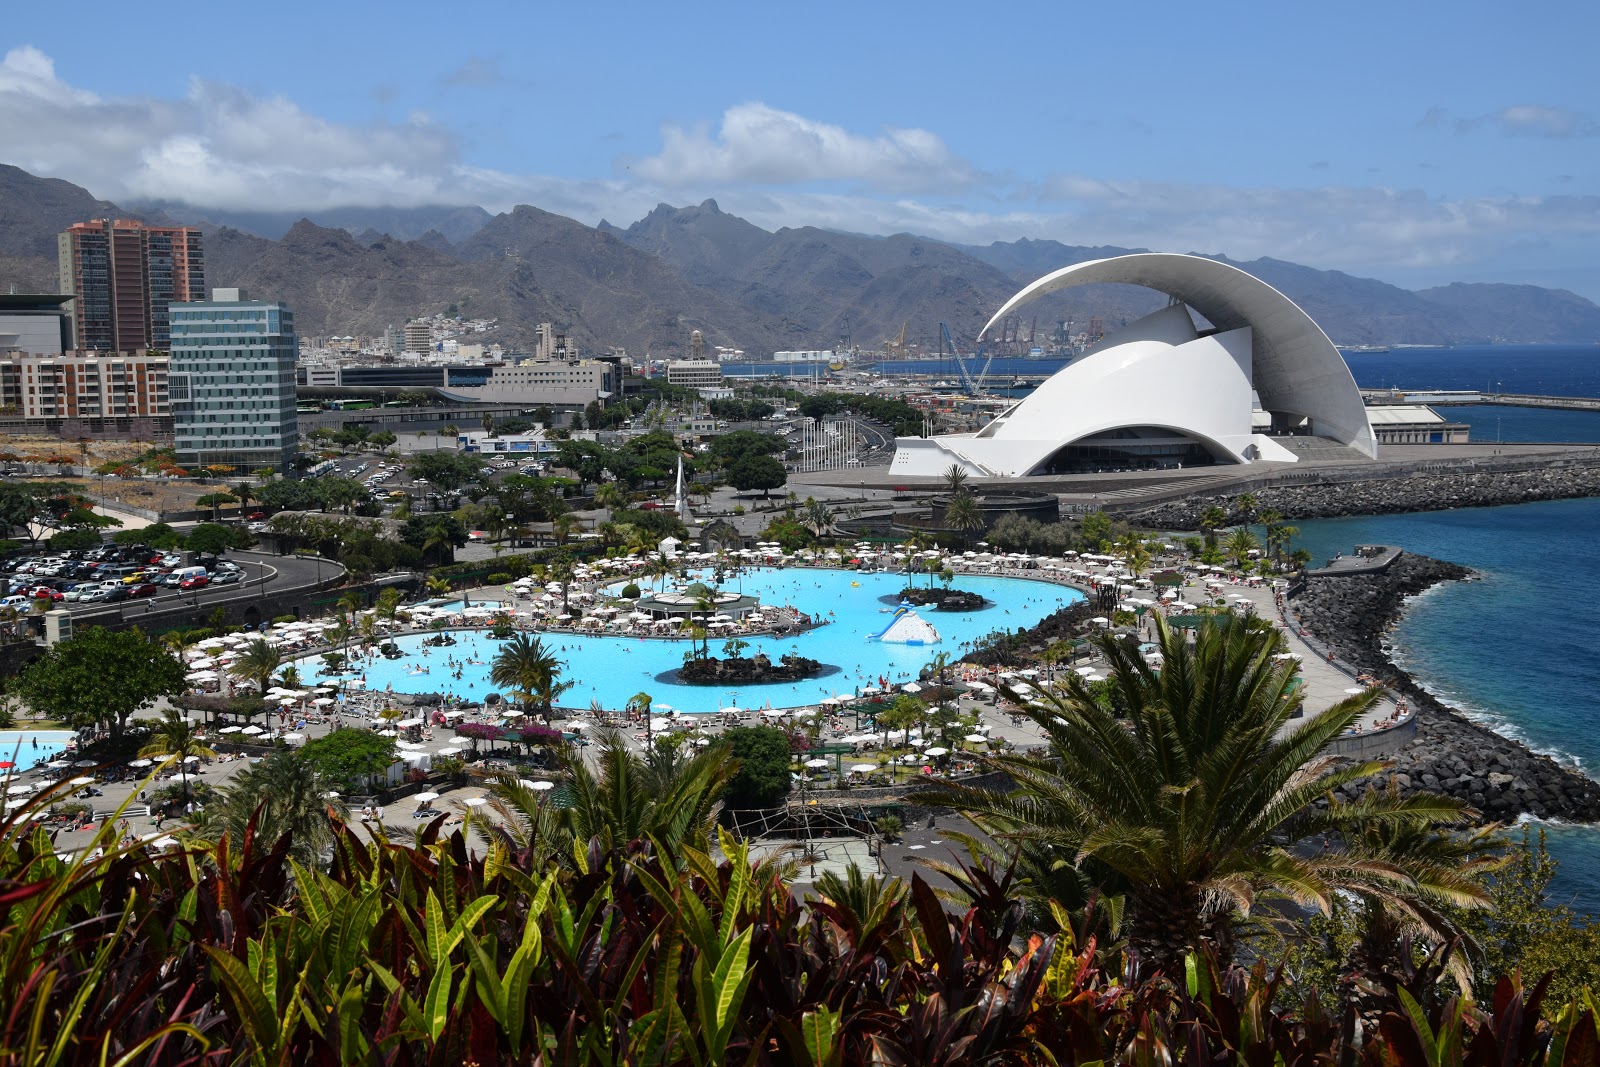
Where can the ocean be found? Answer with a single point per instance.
(1537, 563)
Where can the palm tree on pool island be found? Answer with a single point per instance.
(257, 662)
(1193, 793)
(526, 667)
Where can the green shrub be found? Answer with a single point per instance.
(630, 591)
(499, 578)
(279, 619)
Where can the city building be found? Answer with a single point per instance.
(695, 373)
(232, 382)
(530, 383)
(532, 444)
(697, 345)
(1161, 392)
(125, 275)
(550, 346)
(1415, 424)
(419, 336)
(38, 325)
(85, 386)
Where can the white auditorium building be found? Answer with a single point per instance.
(1161, 391)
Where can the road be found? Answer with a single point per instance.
(264, 575)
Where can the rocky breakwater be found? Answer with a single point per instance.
(1451, 754)
(943, 599)
(1387, 496)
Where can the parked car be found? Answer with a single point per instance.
(227, 577)
(257, 516)
(144, 589)
(195, 581)
(115, 594)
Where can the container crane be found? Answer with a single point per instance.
(970, 385)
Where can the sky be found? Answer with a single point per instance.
(1417, 142)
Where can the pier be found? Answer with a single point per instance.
(1455, 397)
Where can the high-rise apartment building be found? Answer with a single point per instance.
(125, 276)
(232, 382)
(419, 336)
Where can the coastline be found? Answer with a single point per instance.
(1387, 496)
(1452, 754)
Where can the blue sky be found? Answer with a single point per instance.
(1416, 142)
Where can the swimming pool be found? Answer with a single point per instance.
(613, 669)
(29, 748)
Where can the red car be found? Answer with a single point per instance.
(44, 592)
(256, 516)
(199, 581)
(144, 589)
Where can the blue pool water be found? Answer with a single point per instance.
(27, 748)
(613, 669)
(1517, 650)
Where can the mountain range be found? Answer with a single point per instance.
(646, 286)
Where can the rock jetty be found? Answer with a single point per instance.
(1419, 492)
(1451, 754)
(757, 670)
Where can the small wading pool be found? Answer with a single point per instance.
(612, 669)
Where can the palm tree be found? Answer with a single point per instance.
(955, 479)
(283, 794)
(290, 677)
(818, 519)
(174, 738)
(1192, 795)
(610, 495)
(673, 801)
(257, 662)
(1239, 545)
(564, 526)
(1247, 504)
(525, 667)
(964, 516)
(244, 492)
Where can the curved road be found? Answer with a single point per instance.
(265, 575)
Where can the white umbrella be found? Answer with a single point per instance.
(230, 729)
(294, 737)
(976, 738)
(816, 762)
(937, 751)
(141, 763)
(863, 768)
(82, 781)
(58, 764)
(191, 759)
(449, 751)
(252, 729)
(1354, 690)
(475, 802)
(425, 797)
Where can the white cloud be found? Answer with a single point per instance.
(761, 145)
(223, 148)
(1520, 120)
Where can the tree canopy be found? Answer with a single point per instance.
(349, 759)
(762, 780)
(100, 677)
(757, 472)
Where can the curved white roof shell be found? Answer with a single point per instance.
(1297, 370)
(1161, 382)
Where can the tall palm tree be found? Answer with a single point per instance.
(955, 479)
(174, 738)
(257, 662)
(609, 495)
(1195, 793)
(284, 795)
(525, 667)
(964, 516)
(290, 677)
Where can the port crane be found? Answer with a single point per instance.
(970, 385)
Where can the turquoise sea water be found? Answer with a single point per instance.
(613, 669)
(1515, 650)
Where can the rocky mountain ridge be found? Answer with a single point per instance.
(648, 285)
